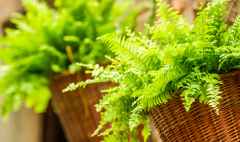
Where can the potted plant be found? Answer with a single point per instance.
(42, 50)
(184, 76)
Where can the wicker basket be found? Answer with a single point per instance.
(76, 109)
(202, 124)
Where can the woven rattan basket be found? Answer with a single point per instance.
(202, 124)
(76, 109)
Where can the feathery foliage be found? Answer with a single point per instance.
(47, 41)
(170, 56)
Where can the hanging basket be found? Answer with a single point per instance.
(202, 124)
(76, 109)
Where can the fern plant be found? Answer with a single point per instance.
(49, 41)
(170, 56)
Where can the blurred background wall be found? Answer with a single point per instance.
(7, 7)
(22, 126)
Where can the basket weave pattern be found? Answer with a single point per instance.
(202, 124)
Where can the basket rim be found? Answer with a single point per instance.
(231, 73)
(223, 76)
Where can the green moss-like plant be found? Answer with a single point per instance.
(170, 56)
(49, 41)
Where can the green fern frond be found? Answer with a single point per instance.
(210, 22)
(49, 41)
(166, 13)
(169, 58)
